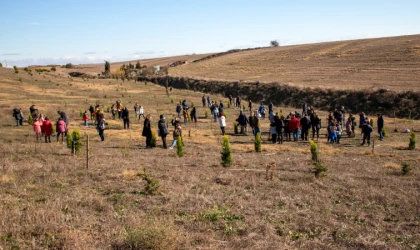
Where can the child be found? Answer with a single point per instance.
(47, 129)
(61, 129)
(339, 132)
(86, 118)
(176, 134)
(37, 129)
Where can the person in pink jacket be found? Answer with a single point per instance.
(37, 129)
(61, 128)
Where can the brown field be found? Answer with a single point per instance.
(390, 63)
(94, 69)
(49, 200)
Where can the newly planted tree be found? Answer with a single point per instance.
(257, 143)
(226, 152)
(405, 168)
(151, 187)
(179, 147)
(319, 168)
(30, 119)
(153, 141)
(412, 144)
(74, 141)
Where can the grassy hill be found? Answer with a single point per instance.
(49, 200)
(390, 63)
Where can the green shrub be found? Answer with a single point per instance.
(149, 235)
(257, 143)
(235, 127)
(153, 141)
(226, 152)
(20, 79)
(108, 108)
(53, 69)
(179, 147)
(314, 151)
(30, 119)
(371, 122)
(1, 65)
(228, 105)
(320, 169)
(384, 131)
(206, 114)
(405, 168)
(69, 66)
(81, 113)
(412, 144)
(243, 106)
(151, 187)
(187, 86)
(69, 140)
(76, 139)
(172, 100)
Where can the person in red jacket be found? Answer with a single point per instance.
(86, 118)
(294, 126)
(47, 129)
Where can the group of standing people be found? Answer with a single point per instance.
(42, 126)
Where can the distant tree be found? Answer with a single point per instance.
(107, 67)
(53, 69)
(274, 43)
(138, 66)
(1, 65)
(69, 65)
(130, 66)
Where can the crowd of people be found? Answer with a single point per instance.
(293, 126)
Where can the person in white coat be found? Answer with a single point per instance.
(222, 122)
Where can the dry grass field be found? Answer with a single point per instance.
(94, 69)
(390, 63)
(49, 200)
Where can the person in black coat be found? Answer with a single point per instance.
(126, 117)
(147, 132)
(279, 127)
(243, 121)
(316, 125)
(91, 110)
(17, 115)
(306, 124)
(193, 114)
(163, 129)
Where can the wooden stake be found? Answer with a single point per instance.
(373, 147)
(87, 152)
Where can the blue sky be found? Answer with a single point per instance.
(90, 31)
